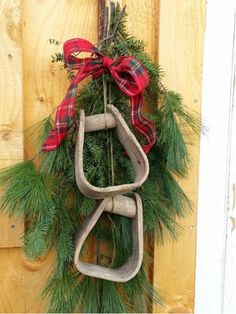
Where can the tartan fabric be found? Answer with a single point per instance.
(130, 76)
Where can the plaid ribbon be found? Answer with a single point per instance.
(130, 76)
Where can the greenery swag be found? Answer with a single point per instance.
(44, 191)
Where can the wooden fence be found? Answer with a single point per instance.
(31, 88)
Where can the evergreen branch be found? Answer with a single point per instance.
(111, 300)
(45, 190)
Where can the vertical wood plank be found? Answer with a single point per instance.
(22, 281)
(11, 106)
(44, 88)
(45, 85)
(180, 54)
(142, 22)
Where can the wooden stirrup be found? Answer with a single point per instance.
(132, 266)
(135, 152)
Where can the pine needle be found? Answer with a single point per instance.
(46, 193)
(111, 301)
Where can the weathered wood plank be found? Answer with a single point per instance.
(11, 106)
(44, 88)
(11, 100)
(11, 229)
(143, 23)
(180, 54)
(22, 281)
(44, 84)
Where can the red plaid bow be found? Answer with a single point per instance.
(129, 74)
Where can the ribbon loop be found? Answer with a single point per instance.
(129, 74)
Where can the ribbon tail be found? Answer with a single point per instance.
(64, 116)
(143, 125)
(61, 125)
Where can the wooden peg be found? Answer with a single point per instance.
(121, 205)
(99, 122)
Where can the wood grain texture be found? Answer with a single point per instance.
(21, 281)
(143, 23)
(180, 54)
(44, 84)
(122, 205)
(11, 100)
(11, 107)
